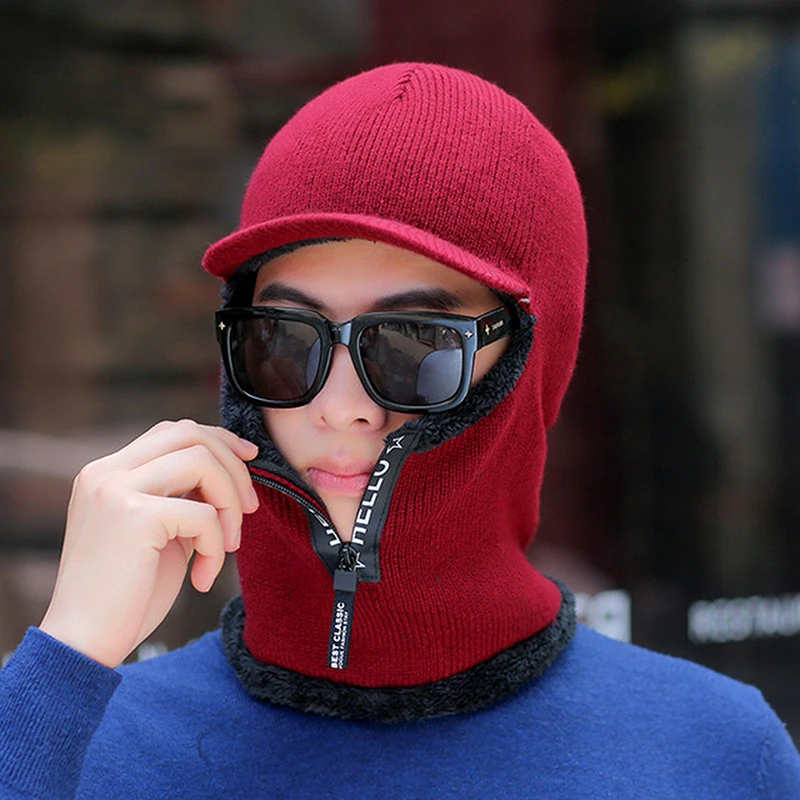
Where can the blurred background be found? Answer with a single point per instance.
(672, 501)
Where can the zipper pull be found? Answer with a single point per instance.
(345, 583)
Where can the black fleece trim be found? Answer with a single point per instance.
(475, 688)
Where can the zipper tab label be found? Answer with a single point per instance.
(339, 643)
(345, 583)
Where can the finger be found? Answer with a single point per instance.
(245, 449)
(233, 461)
(229, 451)
(197, 527)
(205, 569)
(193, 470)
(189, 528)
(166, 437)
(171, 572)
(169, 435)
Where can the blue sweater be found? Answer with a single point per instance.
(608, 720)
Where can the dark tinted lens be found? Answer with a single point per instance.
(413, 363)
(275, 359)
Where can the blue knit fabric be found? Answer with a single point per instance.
(608, 720)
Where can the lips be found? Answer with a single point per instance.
(349, 477)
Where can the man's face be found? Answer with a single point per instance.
(335, 440)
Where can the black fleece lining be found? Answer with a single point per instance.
(482, 685)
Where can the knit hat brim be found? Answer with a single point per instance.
(225, 256)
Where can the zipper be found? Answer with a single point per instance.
(345, 580)
(302, 499)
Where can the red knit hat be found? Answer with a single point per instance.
(423, 157)
(443, 163)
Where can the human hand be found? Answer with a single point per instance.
(134, 520)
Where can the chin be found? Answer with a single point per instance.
(342, 511)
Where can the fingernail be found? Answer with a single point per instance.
(253, 448)
(238, 539)
(253, 499)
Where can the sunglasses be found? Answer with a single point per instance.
(407, 361)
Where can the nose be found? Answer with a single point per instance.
(343, 404)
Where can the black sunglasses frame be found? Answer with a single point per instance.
(474, 332)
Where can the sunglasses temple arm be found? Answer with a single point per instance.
(493, 326)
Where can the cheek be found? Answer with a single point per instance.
(486, 358)
(396, 420)
(286, 429)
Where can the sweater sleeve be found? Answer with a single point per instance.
(52, 699)
(779, 765)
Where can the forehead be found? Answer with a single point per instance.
(355, 274)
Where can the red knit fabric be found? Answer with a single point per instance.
(443, 163)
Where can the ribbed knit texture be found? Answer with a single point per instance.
(443, 163)
(38, 725)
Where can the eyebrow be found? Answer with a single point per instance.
(432, 299)
(280, 291)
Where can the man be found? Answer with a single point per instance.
(402, 309)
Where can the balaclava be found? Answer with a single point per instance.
(445, 613)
